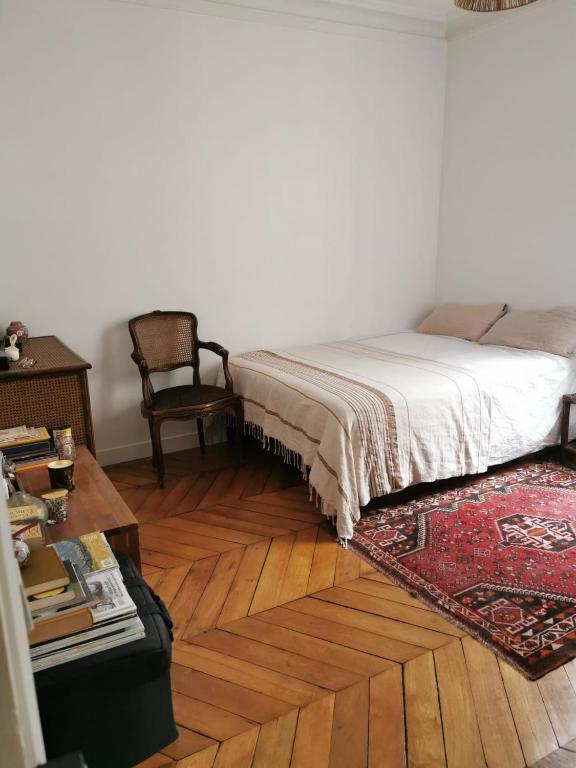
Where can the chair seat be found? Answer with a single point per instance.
(189, 396)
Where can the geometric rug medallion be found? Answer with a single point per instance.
(496, 555)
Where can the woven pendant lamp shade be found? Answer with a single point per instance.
(491, 5)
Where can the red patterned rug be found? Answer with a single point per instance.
(495, 554)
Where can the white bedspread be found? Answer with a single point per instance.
(374, 416)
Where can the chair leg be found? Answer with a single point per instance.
(239, 413)
(151, 428)
(157, 448)
(230, 430)
(200, 425)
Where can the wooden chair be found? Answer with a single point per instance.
(568, 451)
(164, 341)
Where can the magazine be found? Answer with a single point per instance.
(91, 552)
(71, 641)
(111, 598)
(112, 640)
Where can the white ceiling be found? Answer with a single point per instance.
(433, 18)
(429, 9)
(455, 19)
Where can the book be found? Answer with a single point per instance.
(82, 636)
(76, 594)
(44, 572)
(17, 436)
(90, 552)
(12, 433)
(28, 450)
(35, 462)
(50, 599)
(120, 637)
(59, 625)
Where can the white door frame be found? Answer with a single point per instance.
(20, 733)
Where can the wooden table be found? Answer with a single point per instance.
(54, 392)
(94, 505)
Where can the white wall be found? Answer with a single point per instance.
(282, 183)
(508, 213)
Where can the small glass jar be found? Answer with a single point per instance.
(37, 508)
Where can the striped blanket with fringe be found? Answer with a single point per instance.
(362, 421)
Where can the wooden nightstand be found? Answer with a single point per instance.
(51, 393)
(568, 452)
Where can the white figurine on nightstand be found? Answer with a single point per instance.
(12, 352)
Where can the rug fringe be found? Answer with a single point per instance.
(389, 572)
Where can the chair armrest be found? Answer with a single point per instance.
(140, 362)
(570, 399)
(219, 350)
(147, 388)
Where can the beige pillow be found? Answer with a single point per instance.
(464, 321)
(551, 331)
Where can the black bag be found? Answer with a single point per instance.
(115, 706)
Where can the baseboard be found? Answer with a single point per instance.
(142, 450)
(214, 431)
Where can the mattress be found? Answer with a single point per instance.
(369, 417)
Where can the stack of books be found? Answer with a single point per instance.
(27, 447)
(78, 601)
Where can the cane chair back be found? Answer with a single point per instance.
(166, 340)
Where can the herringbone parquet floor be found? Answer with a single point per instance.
(290, 652)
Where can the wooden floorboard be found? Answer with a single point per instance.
(291, 652)
(500, 741)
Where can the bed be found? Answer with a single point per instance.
(370, 417)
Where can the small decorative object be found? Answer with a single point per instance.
(21, 552)
(26, 362)
(57, 504)
(17, 327)
(61, 473)
(32, 534)
(491, 5)
(18, 345)
(12, 352)
(23, 507)
(64, 442)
